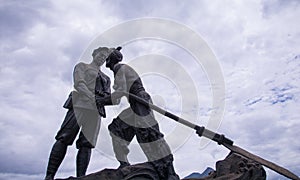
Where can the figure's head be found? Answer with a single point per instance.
(114, 57)
(100, 54)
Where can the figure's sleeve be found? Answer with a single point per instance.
(107, 89)
(79, 81)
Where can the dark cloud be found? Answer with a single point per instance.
(16, 17)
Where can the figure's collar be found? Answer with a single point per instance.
(114, 66)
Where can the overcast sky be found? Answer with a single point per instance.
(256, 44)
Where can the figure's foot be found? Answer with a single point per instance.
(49, 177)
(165, 169)
(173, 177)
(123, 164)
(171, 173)
(82, 160)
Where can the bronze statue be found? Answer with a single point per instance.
(89, 82)
(137, 120)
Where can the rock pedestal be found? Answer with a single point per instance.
(234, 166)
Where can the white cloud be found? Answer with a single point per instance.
(255, 42)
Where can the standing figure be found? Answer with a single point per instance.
(137, 120)
(89, 82)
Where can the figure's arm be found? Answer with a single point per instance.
(103, 98)
(119, 87)
(68, 104)
(79, 81)
(120, 82)
(107, 90)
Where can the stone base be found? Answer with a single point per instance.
(234, 166)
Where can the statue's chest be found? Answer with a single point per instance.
(91, 73)
(90, 76)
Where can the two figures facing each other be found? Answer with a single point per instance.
(86, 105)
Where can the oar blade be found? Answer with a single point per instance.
(262, 161)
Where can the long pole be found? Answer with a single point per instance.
(220, 139)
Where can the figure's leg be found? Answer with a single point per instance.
(121, 150)
(152, 140)
(57, 155)
(64, 137)
(165, 168)
(157, 151)
(83, 155)
(121, 134)
(90, 122)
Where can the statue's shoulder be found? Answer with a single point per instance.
(123, 67)
(104, 75)
(117, 67)
(81, 66)
(128, 70)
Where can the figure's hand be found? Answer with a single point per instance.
(99, 93)
(117, 94)
(104, 101)
(112, 99)
(100, 101)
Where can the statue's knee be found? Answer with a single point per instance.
(114, 125)
(62, 143)
(83, 144)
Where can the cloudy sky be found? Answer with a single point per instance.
(256, 45)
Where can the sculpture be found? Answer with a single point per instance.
(137, 120)
(82, 113)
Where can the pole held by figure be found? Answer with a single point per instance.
(219, 138)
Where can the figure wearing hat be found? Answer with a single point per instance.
(137, 120)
